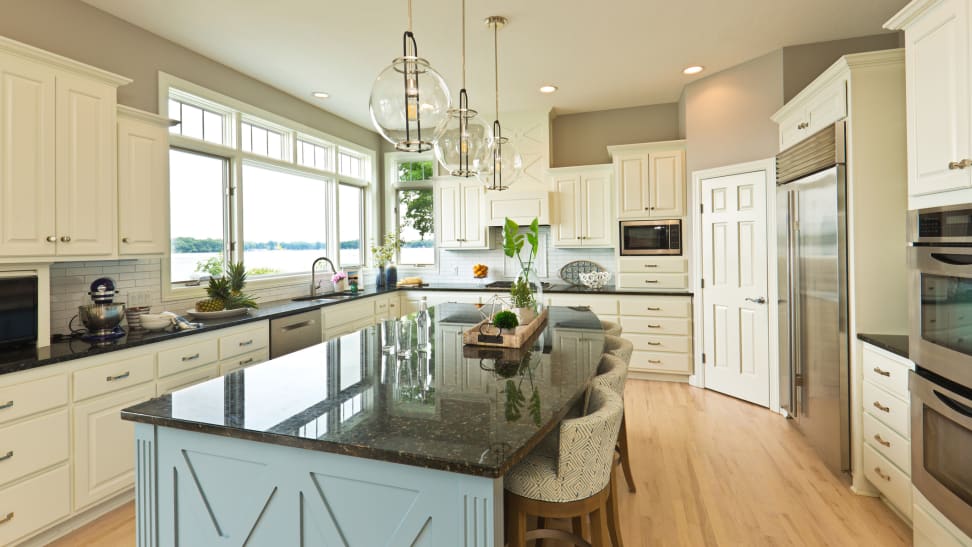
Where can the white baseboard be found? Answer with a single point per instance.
(79, 520)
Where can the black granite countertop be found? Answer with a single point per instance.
(464, 409)
(895, 343)
(554, 288)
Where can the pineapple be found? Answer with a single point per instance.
(218, 292)
(236, 273)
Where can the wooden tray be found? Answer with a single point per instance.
(515, 339)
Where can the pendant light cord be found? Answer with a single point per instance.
(410, 15)
(496, 65)
(463, 43)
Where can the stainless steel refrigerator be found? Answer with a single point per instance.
(811, 203)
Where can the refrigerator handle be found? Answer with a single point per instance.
(794, 302)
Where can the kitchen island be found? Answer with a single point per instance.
(368, 439)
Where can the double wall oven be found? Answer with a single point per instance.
(941, 347)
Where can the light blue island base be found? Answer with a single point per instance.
(197, 489)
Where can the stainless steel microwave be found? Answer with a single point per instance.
(651, 237)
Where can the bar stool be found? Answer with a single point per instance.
(619, 347)
(612, 361)
(574, 481)
(610, 327)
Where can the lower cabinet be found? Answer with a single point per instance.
(188, 378)
(33, 504)
(242, 361)
(104, 446)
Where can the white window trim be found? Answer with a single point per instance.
(293, 130)
(391, 200)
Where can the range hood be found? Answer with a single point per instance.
(522, 207)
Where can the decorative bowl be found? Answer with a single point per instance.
(155, 321)
(594, 280)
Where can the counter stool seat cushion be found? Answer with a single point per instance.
(612, 328)
(619, 347)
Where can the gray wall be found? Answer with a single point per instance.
(727, 114)
(78, 31)
(582, 139)
(803, 63)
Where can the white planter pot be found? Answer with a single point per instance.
(525, 315)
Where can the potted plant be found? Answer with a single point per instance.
(340, 281)
(383, 255)
(522, 293)
(506, 320)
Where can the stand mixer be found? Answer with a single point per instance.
(102, 317)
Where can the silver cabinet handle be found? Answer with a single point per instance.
(881, 407)
(649, 308)
(653, 343)
(125, 240)
(654, 361)
(300, 325)
(884, 373)
(650, 265)
(881, 441)
(6, 456)
(7, 518)
(247, 343)
(882, 474)
(651, 281)
(190, 357)
(654, 326)
(6, 405)
(960, 164)
(759, 300)
(66, 239)
(246, 361)
(121, 376)
(52, 239)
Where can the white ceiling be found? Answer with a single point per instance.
(602, 55)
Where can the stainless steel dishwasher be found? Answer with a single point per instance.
(294, 332)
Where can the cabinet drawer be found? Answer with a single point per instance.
(886, 372)
(113, 376)
(646, 361)
(188, 378)
(668, 344)
(33, 445)
(655, 325)
(28, 398)
(243, 361)
(341, 314)
(649, 264)
(349, 328)
(657, 306)
(888, 443)
(652, 281)
(888, 409)
(33, 504)
(243, 342)
(893, 484)
(186, 357)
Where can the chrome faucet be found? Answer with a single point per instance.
(313, 289)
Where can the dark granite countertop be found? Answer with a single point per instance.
(468, 410)
(895, 343)
(555, 288)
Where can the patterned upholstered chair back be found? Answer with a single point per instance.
(611, 328)
(619, 347)
(587, 445)
(612, 372)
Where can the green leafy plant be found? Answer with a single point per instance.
(513, 241)
(212, 266)
(505, 320)
(521, 294)
(384, 254)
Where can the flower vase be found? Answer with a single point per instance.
(391, 276)
(380, 282)
(527, 311)
(341, 286)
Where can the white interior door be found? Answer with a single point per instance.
(734, 297)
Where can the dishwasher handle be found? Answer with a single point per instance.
(296, 326)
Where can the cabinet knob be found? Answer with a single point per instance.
(52, 239)
(960, 164)
(66, 239)
(125, 240)
(647, 208)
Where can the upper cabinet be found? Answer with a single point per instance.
(651, 179)
(808, 115)
(143, 182)
(583, 206)
(459, 214)
(938, 96)
(57, 155)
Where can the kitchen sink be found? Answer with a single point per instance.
(332, 297)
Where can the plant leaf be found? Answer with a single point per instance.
(535, 406)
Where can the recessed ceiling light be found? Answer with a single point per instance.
(320, 94)
(548, 88)
(693, 69)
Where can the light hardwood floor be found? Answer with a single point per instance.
(711, 470)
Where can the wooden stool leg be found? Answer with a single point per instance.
(625, 459)
(541, 524)
(613, 516)
(515, 525)
(599, 535)
(580, 527)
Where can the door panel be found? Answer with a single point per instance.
(448, 202)
(667, 184)
(597, 211)
(471, 213)
(633, 181)
(143, 167)
(568, 223)
(735, 316)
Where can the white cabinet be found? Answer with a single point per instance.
(660, 327)
(459, 214)
(938, 97)
(521, 207)
(584, 207)
(143, 182)
(57, 149)
(806, 115)
(651, 179)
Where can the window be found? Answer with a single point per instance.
(197, 186)
(284, 221)
(351, 224)
(413, 210)
(248, 185)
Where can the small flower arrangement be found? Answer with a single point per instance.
(338, 277)
(383, 254)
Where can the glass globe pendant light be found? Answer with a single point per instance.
(463, 140)
(409, 99)
(504, 163)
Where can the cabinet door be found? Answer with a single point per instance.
(143, 178)
(448, 203)
(633, 199)
(937, 60)
(471, 216)
(568, 228)
(667, 184)
(104, 445)
(597, 216)
(26, 158)
(793, 129)
(86, 202)
(829, 106)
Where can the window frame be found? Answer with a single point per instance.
(235, 112)
(392, 218)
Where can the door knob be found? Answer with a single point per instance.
(51, 239)
(66, 239)
(759, 300)
(125, 240)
